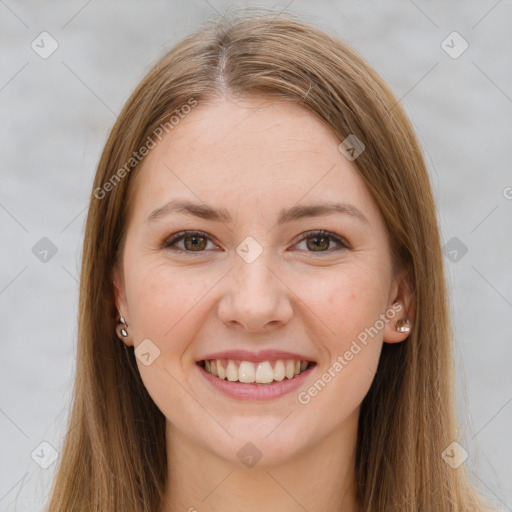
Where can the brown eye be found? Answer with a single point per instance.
(193, 241)
(319, 241)
(197, 242)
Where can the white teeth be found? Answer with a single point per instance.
(232, 371)
(247, 373)
(279, 370)
(290, 369)
(264, 373)
(220, 370)
(261, 373)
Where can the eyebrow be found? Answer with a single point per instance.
(294, 213)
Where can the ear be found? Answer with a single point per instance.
(403, 304)
(121, 302)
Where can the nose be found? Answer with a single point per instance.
(255, 297)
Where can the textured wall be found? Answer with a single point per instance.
(56, 113)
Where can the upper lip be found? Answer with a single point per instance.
(256, 357)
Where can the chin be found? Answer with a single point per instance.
(263, 442)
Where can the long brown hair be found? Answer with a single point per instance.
(112, 458)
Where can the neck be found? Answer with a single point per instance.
(321, 477)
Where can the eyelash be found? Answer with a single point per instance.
(177, 237)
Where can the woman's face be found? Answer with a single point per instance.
(247, 290)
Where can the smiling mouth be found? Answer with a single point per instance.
(263, 372)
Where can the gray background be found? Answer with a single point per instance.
(56, 114)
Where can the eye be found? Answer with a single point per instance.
(321, 239)
(197, 241)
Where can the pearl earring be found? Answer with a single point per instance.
(121, 328)
(403, 325)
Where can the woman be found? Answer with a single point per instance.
(263, 313)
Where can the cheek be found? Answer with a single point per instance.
(346, 302)
(164, 307)
(163, 303)
(347, 307)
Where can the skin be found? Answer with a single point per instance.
(255, 157)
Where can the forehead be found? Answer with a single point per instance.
(258, 152)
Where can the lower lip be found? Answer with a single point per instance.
(253, 391)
